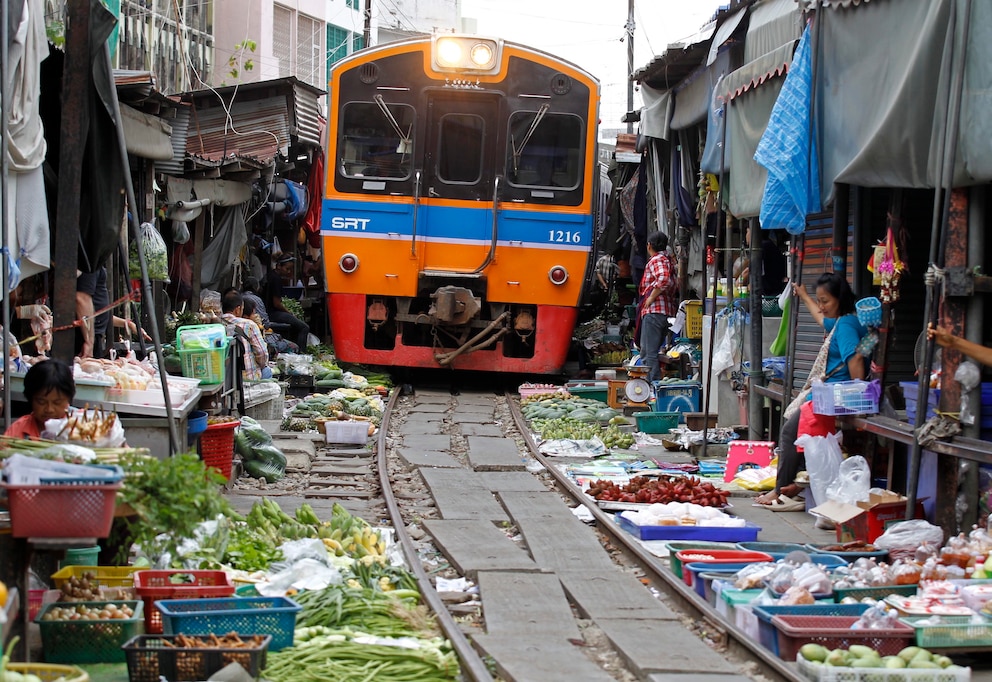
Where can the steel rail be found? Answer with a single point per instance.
(736, 639)
(472, 664)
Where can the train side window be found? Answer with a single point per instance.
(544, 150)
(376, 140)
(460, 144)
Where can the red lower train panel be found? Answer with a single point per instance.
(552, 338)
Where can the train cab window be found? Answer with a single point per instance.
(544, 150)
(460, 144)
(376, 140)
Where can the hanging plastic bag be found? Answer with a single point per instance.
(780, 346)
(852, 483)
(823, 459)
(156, 255)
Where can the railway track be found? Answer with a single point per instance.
(629, 616)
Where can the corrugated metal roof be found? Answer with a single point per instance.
(180, 125)
(308, 121)
(259, 129)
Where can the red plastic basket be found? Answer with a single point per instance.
(716, 557)
(217, 447)
(153, 585)
(834, 632)
(61, 511)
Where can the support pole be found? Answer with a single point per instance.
(5, 227)
(76, 79)
(630, 62)
(146, 286)
(755, 376)
(367, 24)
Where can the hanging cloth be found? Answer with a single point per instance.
(315, 188)
(788, 150)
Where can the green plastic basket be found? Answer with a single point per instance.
(859, 593)
(678, 545)
(955, 632)
(89, 641)
(657, 422)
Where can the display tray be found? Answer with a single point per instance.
(713, 533)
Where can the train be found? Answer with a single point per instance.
(457, 225)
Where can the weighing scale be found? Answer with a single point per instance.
(633, 394)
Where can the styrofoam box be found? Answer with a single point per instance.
(746, 620)
(352, 432)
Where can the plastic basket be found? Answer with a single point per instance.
(51, 673)
(217, 447)
(881, 592)
(776, 550)
(274, 616)
(205, 365)
(153, 585)
(715, 557)
(675, 547)
(105, 576)
(35, 600)
(768, 635)
(693, 320)
(656, 422)
(150, 657)
(88, 641)
(196, 423)
(956, 632)
(869, 311)
(880, 554)
(844, 397)
(770, 307)
(826, 673)
(61, 511)
(834, 632)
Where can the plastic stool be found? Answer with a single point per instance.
(741, 452)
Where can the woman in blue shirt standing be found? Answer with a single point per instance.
(833, 309)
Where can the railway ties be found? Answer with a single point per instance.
(554, 604)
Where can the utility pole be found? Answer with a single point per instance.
(630, 62)
(367, 32)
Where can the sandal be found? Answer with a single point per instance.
(784, 503)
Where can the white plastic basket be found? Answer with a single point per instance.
(844, 397)
(826, 673)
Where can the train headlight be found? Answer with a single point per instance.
(348, 263)
(482, 54)
(465, 54)
(449, 53)
(558, 275)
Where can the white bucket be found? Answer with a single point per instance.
(606, 374)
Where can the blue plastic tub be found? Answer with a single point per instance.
(196, 423)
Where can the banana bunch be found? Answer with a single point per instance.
(349, 535)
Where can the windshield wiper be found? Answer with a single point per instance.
(406, 142)
(518, 151)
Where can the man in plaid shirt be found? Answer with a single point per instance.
(658, 301)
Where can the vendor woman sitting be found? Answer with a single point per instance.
(49, 388)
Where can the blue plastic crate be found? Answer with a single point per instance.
(748, 531)
(680, 397)
(274, 616)
(768, 634)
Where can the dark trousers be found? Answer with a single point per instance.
(654, 329)
(298, 330)
(790, 460)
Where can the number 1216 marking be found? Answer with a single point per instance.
(564, 237)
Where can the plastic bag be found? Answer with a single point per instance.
(968, 375)
(852, 483)
(723, 355)
(908, 535)
(823, 459)
(156, 255)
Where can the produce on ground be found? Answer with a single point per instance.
(229, 641)
(662, 489)
(859, 656)
(261, 458)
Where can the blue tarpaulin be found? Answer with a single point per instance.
(788, 150)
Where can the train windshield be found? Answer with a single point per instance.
(544, 149)
(376, 140)
(460, 148)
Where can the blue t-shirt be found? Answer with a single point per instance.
(843, 345)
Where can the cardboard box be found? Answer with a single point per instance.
(866, 520)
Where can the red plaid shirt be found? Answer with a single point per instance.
(659, 274)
